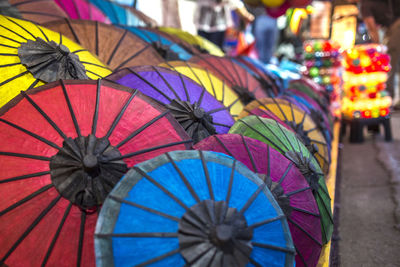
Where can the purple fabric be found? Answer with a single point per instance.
(172, 85)
(262, 157)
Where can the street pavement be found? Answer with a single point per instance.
(369, 201)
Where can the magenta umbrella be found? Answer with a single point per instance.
(287, 184)
(82, 9)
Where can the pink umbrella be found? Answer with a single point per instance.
(286, 183)
(82, 9)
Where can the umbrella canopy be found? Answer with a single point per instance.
(31, 55)
(167, 49)
(38, 11)
(286, 142)
(300, 122)
(202, 44)
(82, 9)
(199, 113)
(313, 90)
(269, 115)
(63, 147)
(267, 82)
(287, 184)
(117, 13)
(192, 208)
(216, 87)
(240, 80)
(116, 47)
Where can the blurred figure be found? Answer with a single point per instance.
(213, 17)
(385, 15)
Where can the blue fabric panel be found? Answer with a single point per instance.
(261, 209)
(242, 189)
(168, 177)
(194, 172)
(175, 260)
(147, 194)
(271, 233)
(219, 179)
(130, 220)
(133, 251)
(268, 257)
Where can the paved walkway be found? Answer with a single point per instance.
(368, 202)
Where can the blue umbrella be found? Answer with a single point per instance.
(196, 208)
(117, 14)
(166, 48)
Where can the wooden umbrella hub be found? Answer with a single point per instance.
(244, 94)
(84, 171)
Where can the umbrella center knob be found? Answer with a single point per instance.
(198, 113)
(90, 162)
(224, 233)
(64, 50)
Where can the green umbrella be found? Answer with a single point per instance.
(286, 142)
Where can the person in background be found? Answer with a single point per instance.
(385, 15)
(213, 17)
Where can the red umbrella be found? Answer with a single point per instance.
(240, 80)
(63, 147)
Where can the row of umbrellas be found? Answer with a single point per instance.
(179, 156)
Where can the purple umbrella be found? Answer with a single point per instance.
(200, 114)
(286, 183)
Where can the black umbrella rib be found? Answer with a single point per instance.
(26, 2)
(301, 256)
(71, 29)
(292, 112)
(94, 64)
(56, 235)
(252, 198)
(22, 177)
(122, 111)
(79, 50)
(253, 163)
(81, 237)
(159, 258)
(142, 128)
(289, 194)
(162, 188)
(44, 115)
(77, 9)
(207, 175)
(95, 73)
(71, 110)
(149, 234)
(252, 261)
(306, 212)
(223, 125)
(185, 87)
(30, 228)
(229, 193)
(23, 28)
(268, 161)
(216, 110)
(60, 41)
(237, 75)
(150, 149)
(167, 83)
(116, 47)
(9, 46)
(304, 231)
(136, 205)
(284, 134)
(96, 109)
(14, 77)
(184, 179)
(131, 57)
(281, 110)
(40, 138)
(288, 168)
(273, 247)
(223, 146)
(40, 29)
(150, 84)
(327, 210)
(42, 13)
(17, 34)
(26, 199)
(96, 36)
(317, 141)
(215, 69)
(9, 39)
(20, 155)
(267, 221)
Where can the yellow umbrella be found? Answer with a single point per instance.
(299, 121)
(31, 55)
(216, 87)
(195, 40)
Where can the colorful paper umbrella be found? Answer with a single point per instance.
(116, 47)
(82, 9)
(31, 55)
(286, 142)
(192, 208)
(313, 90)
(199, 113)
(63, 147)
(167, 49)
(202, 44)
(302, 124)
(287, 184)
(117, 13)
(269, 115)
(241, 81)
(216, 87)
(38, 11)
